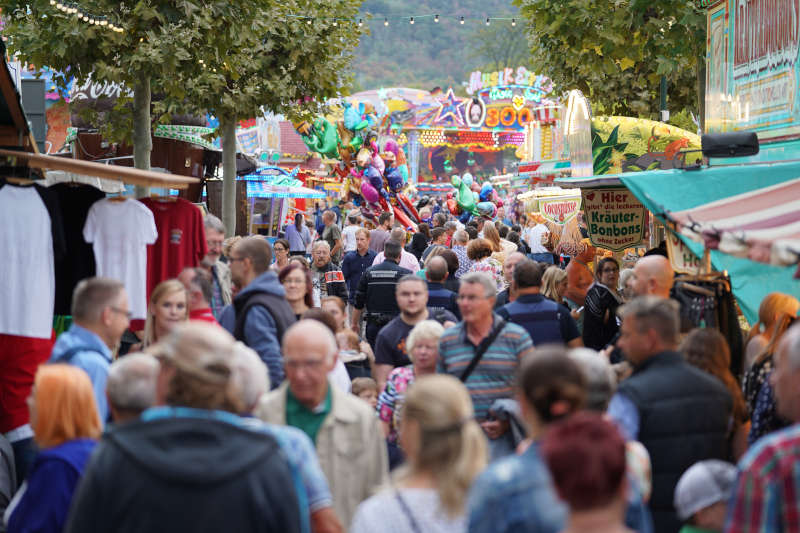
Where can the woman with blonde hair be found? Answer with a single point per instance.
(445, 449)
(169, 306)
(501, 248)
(554, 284)
(65, 425)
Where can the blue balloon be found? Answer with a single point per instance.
(395, 179)
(486, 192)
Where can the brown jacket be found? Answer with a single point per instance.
(350, 447)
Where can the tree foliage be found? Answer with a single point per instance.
(616, 51)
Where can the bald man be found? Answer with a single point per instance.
(653, 276)
(344, 429)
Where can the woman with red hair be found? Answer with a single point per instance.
(65, 425)
(586, 458)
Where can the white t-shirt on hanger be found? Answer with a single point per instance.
(120, 232)
(27, 272)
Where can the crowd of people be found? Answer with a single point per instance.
(348, 378)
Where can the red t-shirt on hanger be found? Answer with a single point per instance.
(181, 239)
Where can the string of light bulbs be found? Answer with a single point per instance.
(410, 19)
(80, 14)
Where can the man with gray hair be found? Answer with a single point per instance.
(220, 273)
(139, 477)
(459, 246)
(100, 315)
(450, 227)
(326, 274)
(199, 287)
(131, 386)
(678, 412)
(407, 259)
(483, 350)
(347, 435)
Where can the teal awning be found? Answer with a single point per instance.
(728, 204)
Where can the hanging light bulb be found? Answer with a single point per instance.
(59, 5)
(513, 22)
(385, 21)
(308, 21)
(335, 23)
(436, 18)
(52, 2)
(411, 21)
(487, 21)
(461, 21)
(360, 22)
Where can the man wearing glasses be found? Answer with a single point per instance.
(220, 273)
(100, 315)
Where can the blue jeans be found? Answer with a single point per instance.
(542, 258)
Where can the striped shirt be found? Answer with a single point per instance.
(767, 494)
(493, 377)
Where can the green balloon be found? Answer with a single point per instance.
(276, 156)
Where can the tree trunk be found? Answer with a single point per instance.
(228, 127)
(701, 92)
(142, 137)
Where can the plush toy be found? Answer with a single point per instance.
(465, 199)
(322, 138)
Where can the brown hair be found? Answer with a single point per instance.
(478, 249)
(65, 406)
(360, 385)
(708, 350)
(295, 265)
(550, 280)
(553, 384)
(492, 236)
(353, 341)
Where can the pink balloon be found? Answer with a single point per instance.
(368, 192)
(391, 146)
(377, 162)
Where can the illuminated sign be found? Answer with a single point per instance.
(475, 113)
(508, 77)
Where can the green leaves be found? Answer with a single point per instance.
(617, 51)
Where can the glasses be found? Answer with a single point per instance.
(280, 249)
(214, 244)
(123, 312)
(312, 364)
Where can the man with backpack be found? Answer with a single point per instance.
(100, 315)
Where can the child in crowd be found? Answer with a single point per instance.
(366, 389)
(702, 494)
(355, 360)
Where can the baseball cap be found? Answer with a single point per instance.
(702, 485)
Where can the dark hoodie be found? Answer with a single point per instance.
(266, 314)
(189, 470)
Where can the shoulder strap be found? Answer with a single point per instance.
(407, 511)
(480, 350)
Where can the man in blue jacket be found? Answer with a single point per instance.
(260, 311)
(100, 315)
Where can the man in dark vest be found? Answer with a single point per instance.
(440, 298)
(261, 312)
(375, 292)
(543, 319)
(678, 412)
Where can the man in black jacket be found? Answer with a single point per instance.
(678, 412)
(191, 465)
(376, 292)
(327, 275)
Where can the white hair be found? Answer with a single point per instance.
(319, 244)
(425, 330)
(480, 278)
(250, 375)
(601, 382)
(131, 384)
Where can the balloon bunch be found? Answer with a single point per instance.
(471, 199)
(374, 178)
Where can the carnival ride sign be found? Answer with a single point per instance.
(614, 217)
(753, 67)
(559, 209)
(506, 99)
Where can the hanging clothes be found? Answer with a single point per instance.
(32, 239)
(707, 302)
(120, 232)
(181, 239)
(78, 263)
